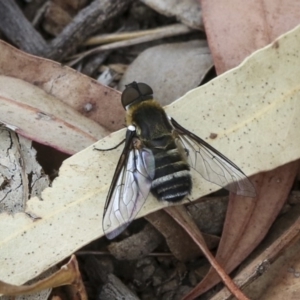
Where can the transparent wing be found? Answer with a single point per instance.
(212, 164)
(129, 191)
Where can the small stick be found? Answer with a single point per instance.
(121, 36)
(167, 32)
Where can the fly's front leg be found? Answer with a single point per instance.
(109, 149)
(129, 135)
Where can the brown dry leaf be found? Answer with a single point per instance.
(68, 274)
(237, 28)
(42, 294)
(181, 216)
(171, 70)
(265, 263)
(179, 243)
(71, 210)
(247, 222)
(43, 118)
(38, 295)
(82, 93)
(114, 288)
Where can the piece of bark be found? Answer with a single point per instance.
(90, 19)
(21, 177)
(179, 242)
(86, 22)
(209, 214)
(97, 269)
(138, 245)
(17, 29)
(115, 289)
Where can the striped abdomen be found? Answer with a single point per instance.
(172, 180)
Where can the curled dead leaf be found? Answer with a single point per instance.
(68, 274)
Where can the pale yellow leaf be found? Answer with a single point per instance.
(253, 113)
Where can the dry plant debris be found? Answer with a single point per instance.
(249, 113)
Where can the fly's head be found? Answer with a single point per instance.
(136, 92)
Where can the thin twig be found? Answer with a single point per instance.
(39, 14)
(121, 36)
(106, 253)
(163, 33)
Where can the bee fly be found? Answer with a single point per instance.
(157, 158)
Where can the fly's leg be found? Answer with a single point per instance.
(109, 149)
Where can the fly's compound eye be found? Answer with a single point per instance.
(135, 92)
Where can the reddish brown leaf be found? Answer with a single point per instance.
(248, 222)
(87, 96)
(180, 244)
(181, 216)
(45, 119)
(233, 35)
(68, 274)
(279, 249)
(237, 28)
